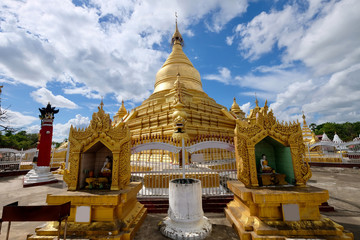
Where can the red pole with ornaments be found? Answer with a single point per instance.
(46, 132)
(40, 174)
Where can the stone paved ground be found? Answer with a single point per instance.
(343, 185)
(344, 190)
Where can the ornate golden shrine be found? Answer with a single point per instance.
(276, 212)
(114, 213)
(100, 132)
(259, 125)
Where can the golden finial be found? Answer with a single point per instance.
(256, 101)
(303, 117)
(102, 103)
(177, 38)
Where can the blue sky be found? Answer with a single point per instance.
(299, 55)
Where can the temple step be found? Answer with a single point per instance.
(210, 204)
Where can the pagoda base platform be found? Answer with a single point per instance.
(97, 214)
(39, 175)
(281, 213)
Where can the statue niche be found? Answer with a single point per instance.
(99, 155)
(269, 152)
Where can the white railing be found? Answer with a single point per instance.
(12, 159)
(155, 161)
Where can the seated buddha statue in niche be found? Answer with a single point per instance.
(265, 168)
(106, 169)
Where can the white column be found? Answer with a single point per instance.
(186, 218)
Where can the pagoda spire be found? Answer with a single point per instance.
(304, 119)
(177, 62)
(177, 38)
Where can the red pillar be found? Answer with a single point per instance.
(45, 143)
(46, 132)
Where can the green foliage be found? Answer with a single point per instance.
(19, 140)
(346, 131)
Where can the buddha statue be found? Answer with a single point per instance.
(106, 169)
(265, 168)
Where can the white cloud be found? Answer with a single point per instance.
(331, 44)
(33, 128)
(61, 131)
(266, 81)
(229, 40)
(246, 107)
(84, 91)
(17, 119)
(333, 101)
(106, 46)
(338, 98)
(223, 76)
(319, 69)
(325, 36)
(44, 96)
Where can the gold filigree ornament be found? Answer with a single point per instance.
(261, 124)
(115, 138)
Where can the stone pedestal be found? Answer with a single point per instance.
(281, 213)
(39, 175)
(98, 214)
(186, 218)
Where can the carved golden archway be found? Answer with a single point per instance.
(115, 138)
(259, 125)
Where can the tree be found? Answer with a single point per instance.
(19, 140)
(346, 131)
(4, 117)
(312, 126)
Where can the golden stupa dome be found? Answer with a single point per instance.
(177, 62)
(121, 113)
(235, 107)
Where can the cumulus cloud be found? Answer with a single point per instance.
(229, 40)
(267, 82)
(61, 131)
(17, 119)
(319, 69)
(223, 76)
(44, 96)
(105, 47)
(329, 100)
(246, 108)
(324, 36)
(336, 100)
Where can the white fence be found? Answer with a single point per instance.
(12, 159)
(155, 161)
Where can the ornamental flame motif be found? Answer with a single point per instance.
(260, 124)
(115, 138)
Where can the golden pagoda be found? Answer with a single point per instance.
(315, 154)
(308, 136)
(120, 114)
(179, 100)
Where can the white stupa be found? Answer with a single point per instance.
(325, 138)
(357, 138)
(337, 139)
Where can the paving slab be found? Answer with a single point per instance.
(343, 185)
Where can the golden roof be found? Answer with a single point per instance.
(235, 107)
(177, 62)
(120, 114)
(122, 110)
